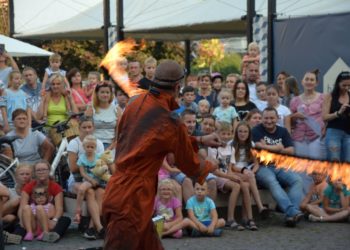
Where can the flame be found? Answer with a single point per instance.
(113, 62)
(335, 170)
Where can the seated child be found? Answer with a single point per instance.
(202, 212)
(43, 211)
(168, 206)
(335, 204)
(313, 199)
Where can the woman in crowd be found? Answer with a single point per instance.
(336, 112)
(32, 145)
(41, 171)
(283, 90)
(205, 91)
(57, 105)
(79, 97)
(104, 114)
(241, 100)
(93, 196)
(254, 117)
(306, 124)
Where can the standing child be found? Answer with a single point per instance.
(253, 56)
(225, 112)
(226, 181)
(43, 212)
(14, 98)
(86, 162)
(335, 204)
(202, 212)
(246, 165)
(273, 101)
(55, 64)
(93, 80)
(168, 206)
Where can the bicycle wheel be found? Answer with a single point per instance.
(8, 179)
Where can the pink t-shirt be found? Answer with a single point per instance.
(301, 130)
(163, 174)
(167, 210)
(79, 97)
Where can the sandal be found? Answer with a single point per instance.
(234, 225)
(251, 225)
(264, 213)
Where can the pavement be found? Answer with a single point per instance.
(271, 235)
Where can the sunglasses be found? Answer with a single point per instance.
(39, 194)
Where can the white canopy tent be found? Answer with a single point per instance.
(18, 48)
(153, 19)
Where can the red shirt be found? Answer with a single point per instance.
(53, 188)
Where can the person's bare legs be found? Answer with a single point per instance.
(99, 193)
(183, 224)
(187, 189)
(27, 218)
(255, 193)
(234, 189)
(212, 189)
(93, 209)
(247, 199)
(80, 198)
(41, 217)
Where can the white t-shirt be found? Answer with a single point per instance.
(105, 122)
(223, 154)
(242, 162)
(282, 111)
(260, 104)
(252, 92)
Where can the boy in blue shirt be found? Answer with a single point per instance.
(202, 212)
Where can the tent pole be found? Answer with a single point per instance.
(120, 21)
(271, 9)
(250, 15)
(106, 24)
(11, 19)
(188, 56)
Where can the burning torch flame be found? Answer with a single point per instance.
(334, 170)
(113, 64)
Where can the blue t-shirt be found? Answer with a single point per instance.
(281, 135)
(88, 165)
(225, 114)
(209, 98)
(34, 96)
(334, 198)
(201, 209)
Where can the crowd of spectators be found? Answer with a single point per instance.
(242, 110)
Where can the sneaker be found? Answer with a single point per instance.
(290, 222)
(51, 237)
(101, 233)
(314, 218)
(90, 233)
(40, 236)
(28, 237)
(177, 234)
(298, 217)
(11, 238)
(195, 233)
(217, 232)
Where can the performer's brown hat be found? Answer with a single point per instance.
(168, 73)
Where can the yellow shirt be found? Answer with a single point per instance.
(57, 112)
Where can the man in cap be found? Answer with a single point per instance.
(147, 133)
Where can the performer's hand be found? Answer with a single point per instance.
(212, 140)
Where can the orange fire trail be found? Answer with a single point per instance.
(335, 170)
(113, 63)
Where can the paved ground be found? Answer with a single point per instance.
(271, 235)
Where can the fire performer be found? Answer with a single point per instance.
(147, 133)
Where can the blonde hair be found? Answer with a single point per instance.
(55, 57)
(150, 60)
(253, 45)
(225, 92)
(23, 166)
(55, 76)
(167, 182)
(204, 101)
(224, 127)
(12, 75)
(88, 139)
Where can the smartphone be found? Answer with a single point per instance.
(2, 48)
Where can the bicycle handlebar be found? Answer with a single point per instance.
(62, 126)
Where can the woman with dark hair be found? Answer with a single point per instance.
(336, 112)
(283, 90)
(205, 91)
(105, 115)
(241, 100)
(79, 97)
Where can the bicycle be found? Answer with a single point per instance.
(7, 173)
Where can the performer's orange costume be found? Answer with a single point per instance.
(147, 132)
